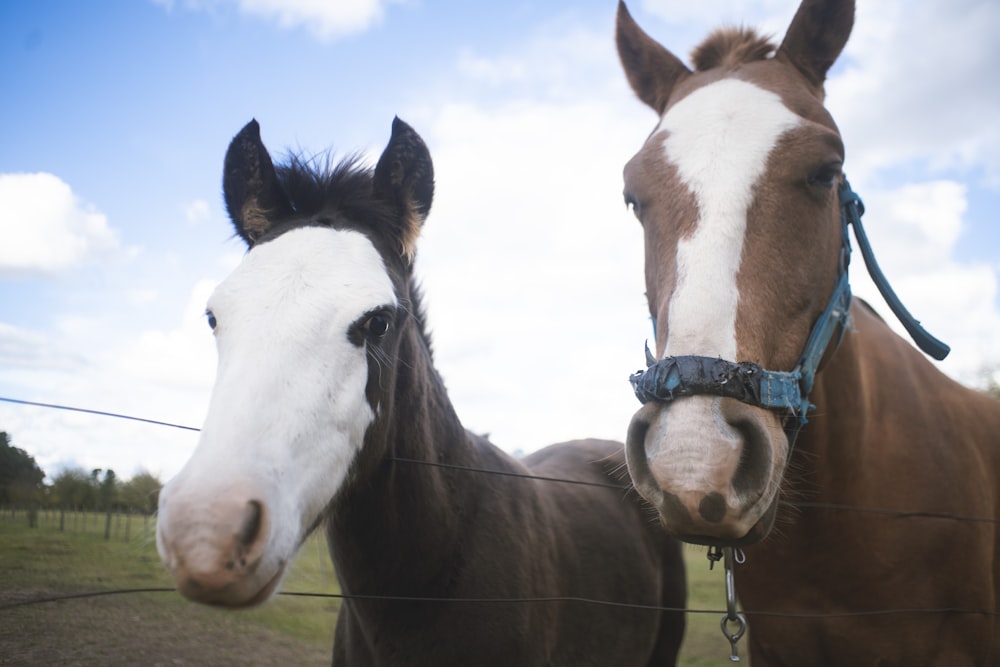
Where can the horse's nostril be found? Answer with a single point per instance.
(250, 528)
(755, 458)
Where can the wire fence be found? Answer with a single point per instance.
(112, 525)
(85, 518)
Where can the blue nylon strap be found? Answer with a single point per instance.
(673, 377)
(851, 210)
(781, 390)
(833, 320)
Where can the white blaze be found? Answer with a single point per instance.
(719, 139)
(288, 411)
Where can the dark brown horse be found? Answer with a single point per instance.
(745, 207)
(326, 397)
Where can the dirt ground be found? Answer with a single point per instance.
(137, 629)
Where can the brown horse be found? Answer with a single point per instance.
(744, 206)
(327, 409)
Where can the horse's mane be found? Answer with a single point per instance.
(419, 314)
(729, 47)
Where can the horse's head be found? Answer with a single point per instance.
(306, 328)
(737, 193)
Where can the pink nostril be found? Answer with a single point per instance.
(247, 537)
(252, 516)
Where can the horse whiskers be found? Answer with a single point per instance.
(382, 361)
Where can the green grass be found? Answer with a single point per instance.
(115, 630)
(77, 560)
(42, 561)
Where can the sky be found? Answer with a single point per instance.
(116, 115)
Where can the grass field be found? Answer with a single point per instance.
(164, 629)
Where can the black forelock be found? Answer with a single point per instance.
(316, 184)
(335, 193)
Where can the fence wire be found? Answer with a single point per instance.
(539, 600)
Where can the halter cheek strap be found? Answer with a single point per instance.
(674, 377)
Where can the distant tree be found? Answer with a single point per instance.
(993, 389)
(142, 492)
(988, 380)
(73, 487)
(107, 490)
(20, 477)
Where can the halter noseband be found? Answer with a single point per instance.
(674, 377)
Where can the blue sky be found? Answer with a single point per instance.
(116, 117)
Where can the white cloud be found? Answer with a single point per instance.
(138, 296)
(162, 375)
(685, 24)
(58, 438)
(568, 62)
(197, 212)
(183, 357)
(920, 86)
(46, 228)
(916, 225)
(706, 15)
(325, 19)
(23, 349)
(531, 265)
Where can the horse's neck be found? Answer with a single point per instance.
(423, 424)
(875, 379)
(401, 520)
(835, 437)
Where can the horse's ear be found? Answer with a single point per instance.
(404, 177)
(254, 196)
(816, 37)
(652, 70)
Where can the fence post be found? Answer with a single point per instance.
(62, 517)
(107, 526)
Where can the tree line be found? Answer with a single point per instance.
(22, 482)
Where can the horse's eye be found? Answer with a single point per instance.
(826, 176)
(377, 325)
(211, 319)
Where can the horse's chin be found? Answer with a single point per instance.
(237, 595)
(263, 595)
(757, 532)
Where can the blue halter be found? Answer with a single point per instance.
(673, 377)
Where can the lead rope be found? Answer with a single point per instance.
(734, 624)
